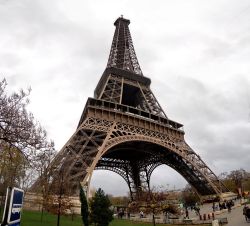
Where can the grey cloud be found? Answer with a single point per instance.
(214, 118)
(197, 59)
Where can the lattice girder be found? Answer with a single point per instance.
(103, 130)
(183, 151)
(123, 131)
(125, 170)
(116, 90)
(187, 170)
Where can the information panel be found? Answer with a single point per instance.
(13, 207)
(16, 203)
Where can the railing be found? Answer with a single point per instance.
(102, 104)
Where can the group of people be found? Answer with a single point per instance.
(122, 213)
(246, 212)
(197, 210)
(223, 205)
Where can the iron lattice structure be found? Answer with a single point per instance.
(125, 130)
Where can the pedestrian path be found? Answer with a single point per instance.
(235, 217)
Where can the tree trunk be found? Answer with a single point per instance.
(153, 218)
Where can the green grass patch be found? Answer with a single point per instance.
(33, 218)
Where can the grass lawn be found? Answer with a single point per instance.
(32, 218)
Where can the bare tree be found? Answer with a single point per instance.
(189, 196)
(23, 142)
(236, 180)
(12, 169)
(41, 164)
(238, 176)
(20, 132)
(12, 166)
(153, 202)
(18, 128)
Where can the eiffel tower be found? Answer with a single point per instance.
(124, 129)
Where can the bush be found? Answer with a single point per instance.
(100, 212)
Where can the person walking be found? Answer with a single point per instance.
(213, 207)
(187, 214)
(229, 206)
(141, 214)
(245, 208)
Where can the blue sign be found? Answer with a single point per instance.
(16, 203)
(13, 207)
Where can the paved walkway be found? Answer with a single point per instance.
(235, 217)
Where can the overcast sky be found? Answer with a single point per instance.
(197, 54)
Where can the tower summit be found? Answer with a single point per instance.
(122, 81)
(122, 54)
(124, 129)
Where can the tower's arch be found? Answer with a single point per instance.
(134, 157)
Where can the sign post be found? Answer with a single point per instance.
(13, 206)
